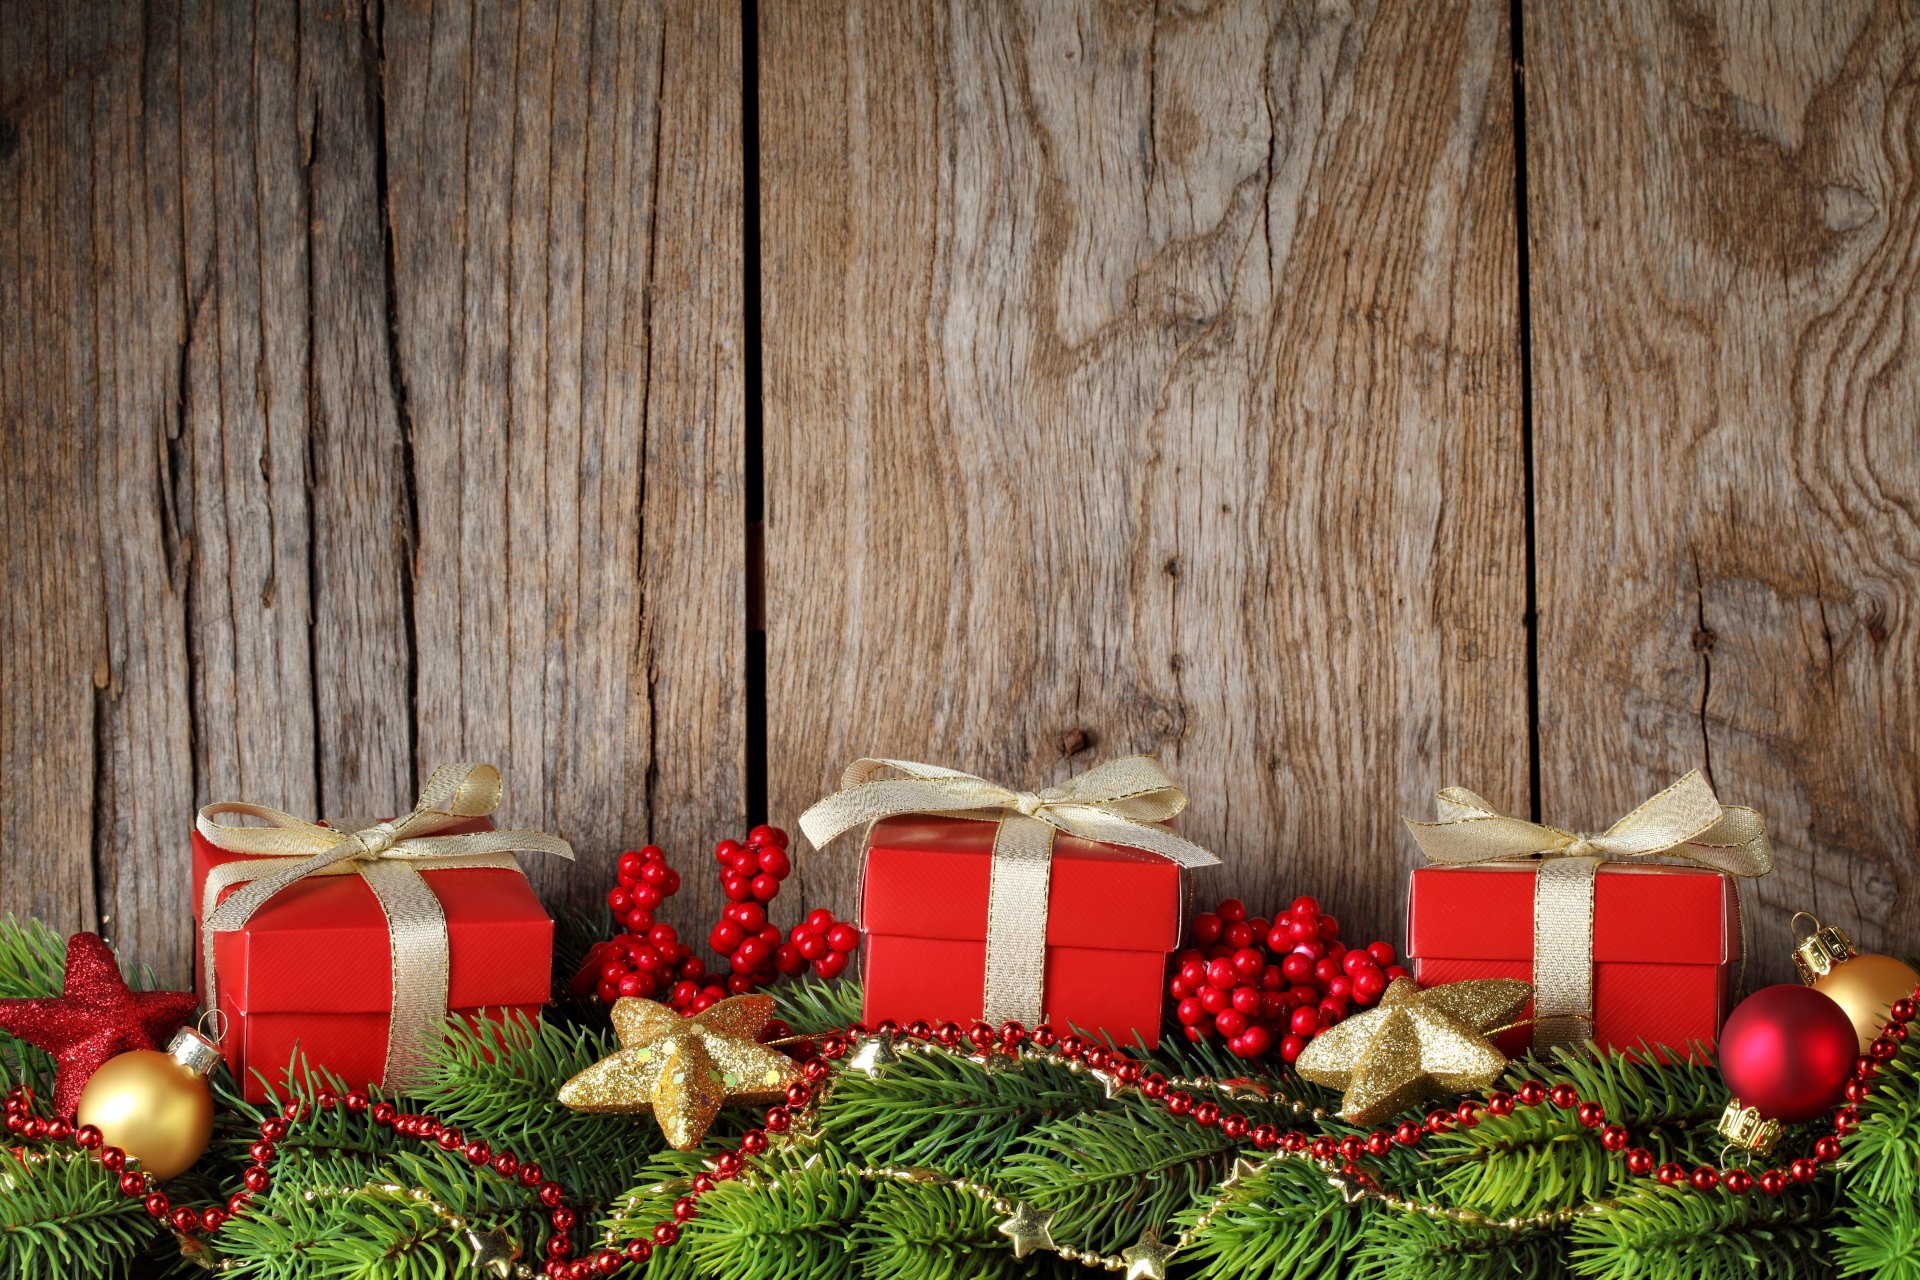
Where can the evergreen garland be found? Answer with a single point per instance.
(350, 1199)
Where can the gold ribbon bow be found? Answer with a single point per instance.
(1684, 824)
(1122, 802)
(383, 854)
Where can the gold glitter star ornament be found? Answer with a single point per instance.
(1415, 1043)
(684, 1070)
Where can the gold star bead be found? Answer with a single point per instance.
(1414, 1043)
(1029, 1229)
(1243, 1168)
(494, 1252)
(873, 1054)
(1148, 1259)
(684, 1069)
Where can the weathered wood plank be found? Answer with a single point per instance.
(393, 413)
(565, 196)
(1145, 381)
(1725, 234)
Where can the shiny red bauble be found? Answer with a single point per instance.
(1787, 1051)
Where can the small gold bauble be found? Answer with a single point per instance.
(154, 1106)
(1865, 986)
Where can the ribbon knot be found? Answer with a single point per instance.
(1123, 802)
(383, 854)
(1684, 824)
(374, 841)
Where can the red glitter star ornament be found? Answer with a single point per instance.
(95, 1018)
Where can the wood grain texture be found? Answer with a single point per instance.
(1725, 232)
(367, 403)
(569, 297)
(1146, 378)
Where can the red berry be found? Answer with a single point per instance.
(1303, 930)
(1206, 928)
(1340, 987)
(726, 850)
(1291, 1047)
(1256, 1041)
(1381, 952)
(1354, 961)
(725, 937)
(1367, 985)
(1304, 906)
(843, 937)
(1189, 1012)
(1193, 971)
(831, 965)
(639, 920)
(1230, 1022)
(1326, 969)
(1311, 950)
(811, 945)
(1220, 974)
(765, 887)
(645, 896)
(1278, 938)
(1329, 928)
(766, 835)
(788, 960)
(1246, 1000)
(1231, 910)
(619, 901)
(1297, 968)
(1247, 964)
(1304, 1021)
(631, 863)
(750, 916)
(1274, 1005)
(1238, 935)
(1395, 972)
(819, 920)
(776, 863)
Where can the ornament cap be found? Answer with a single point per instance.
(194, 1051)
(1746, 1128)
(1822, 951)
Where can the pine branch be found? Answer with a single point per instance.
(1541, 1157)
(1410, 1246)
(65, 1217)
(931, 1232)
(814, 1006)
(1671, 1233)
(502, 1080)
(946, 1112)
(1284, 1222)
(1109, 1175)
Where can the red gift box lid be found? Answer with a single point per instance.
(927, 877)
(1680, 915)
(322, 945)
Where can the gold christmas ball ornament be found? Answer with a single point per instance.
(1864, 986)
(155, 1106)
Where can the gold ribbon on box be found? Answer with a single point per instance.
(1122, 802)
(1684, 825)
(388, 856)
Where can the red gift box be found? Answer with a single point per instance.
(1113, 917)
(1666, 944)
(311, 973)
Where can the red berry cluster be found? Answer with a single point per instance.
(822, 941)
(1261, 984)
(750, 875)
(648, 959)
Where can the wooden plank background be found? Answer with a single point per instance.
(1339, 401)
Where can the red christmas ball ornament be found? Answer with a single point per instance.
(1785, 1053)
